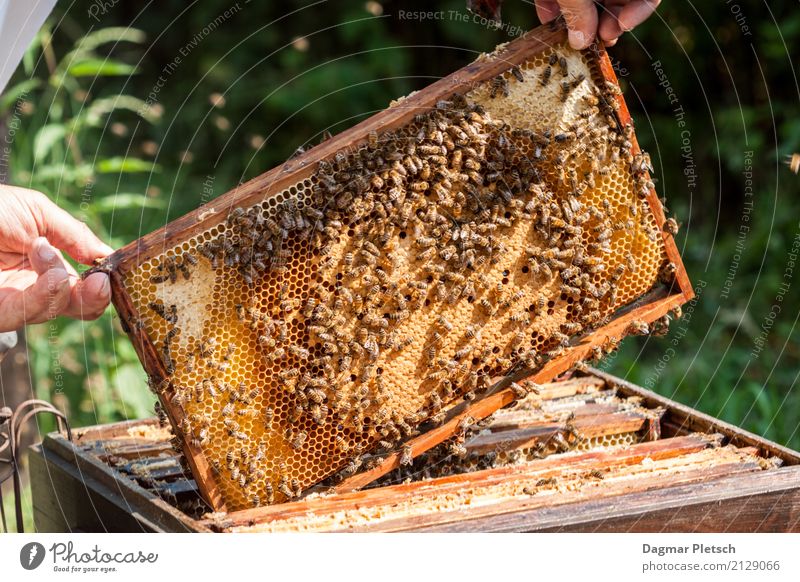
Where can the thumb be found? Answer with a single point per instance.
(581, 18)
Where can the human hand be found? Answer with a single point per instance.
(584, 23)
(36, 283)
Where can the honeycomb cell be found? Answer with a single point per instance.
(334, 317)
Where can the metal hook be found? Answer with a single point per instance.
(13, 422)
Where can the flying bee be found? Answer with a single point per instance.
(793, 162)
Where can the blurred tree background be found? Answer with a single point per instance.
(131, 114)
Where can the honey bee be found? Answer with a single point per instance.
(298, 439)
(352, 466)
(457, 449)
(566, 89)
(597, 474)
(168, 314)
(283, 487)
(319, 413)
(300, 352)
(499, 84)
(546, 74)
(341, 444)
(671, 226)
(793, 162)
(406, 456)
(517, 72)
(667, 273)
(638, 327)
(521, 317)
(372, 140)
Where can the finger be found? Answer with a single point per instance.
(89, 297)
(581, 19)
(637, 12)
(44, 299)
(43, 256)
(547, 10)
(67, 233)
(609, 29)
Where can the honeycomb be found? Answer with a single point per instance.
(399, 276)
(440, 462)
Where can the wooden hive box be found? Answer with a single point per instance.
(496, 223)
(589, 453)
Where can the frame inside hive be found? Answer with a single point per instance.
(133, 266)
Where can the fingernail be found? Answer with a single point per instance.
(105, 288)
(45, 252)
(577, 39)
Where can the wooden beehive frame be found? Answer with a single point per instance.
(135, 481)
(648, 309)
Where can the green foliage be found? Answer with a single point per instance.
(63, 148)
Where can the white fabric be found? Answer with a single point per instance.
(20, 20)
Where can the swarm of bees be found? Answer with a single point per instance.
(411, 220)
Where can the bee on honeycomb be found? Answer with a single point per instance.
(400, 276)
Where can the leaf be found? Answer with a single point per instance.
(46, 138)
(125, 165)
(133, 391)
(112, 34)
(69, 173)
(12, 94)
(95, 112)
(127, 201)
(29, 58)
(101, 68)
